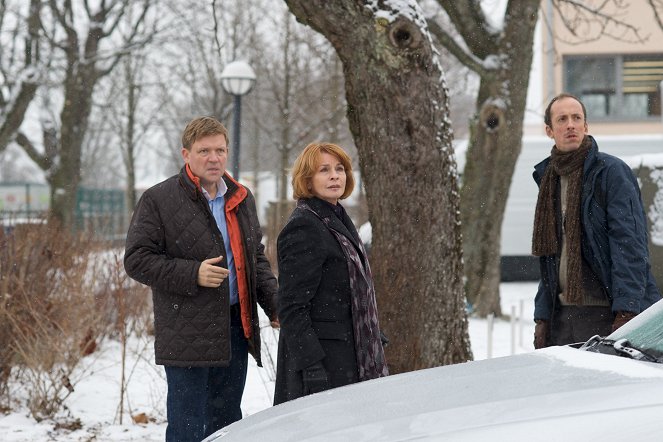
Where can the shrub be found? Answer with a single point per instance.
(53, 311)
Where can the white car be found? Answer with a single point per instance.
(608, 390)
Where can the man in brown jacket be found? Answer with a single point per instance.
(196, 241)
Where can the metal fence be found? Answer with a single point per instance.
(99, 211)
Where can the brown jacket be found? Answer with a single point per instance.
(172, 231)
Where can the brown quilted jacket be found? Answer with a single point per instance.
(171, 232)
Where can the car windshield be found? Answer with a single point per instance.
(644, 332)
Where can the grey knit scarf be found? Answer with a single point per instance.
(545, 241)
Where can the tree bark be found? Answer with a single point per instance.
(398, 113)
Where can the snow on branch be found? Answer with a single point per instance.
(389, 10)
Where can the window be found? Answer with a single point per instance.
(620, 87)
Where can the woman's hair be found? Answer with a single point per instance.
(306, 166)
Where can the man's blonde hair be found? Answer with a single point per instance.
(202, 127)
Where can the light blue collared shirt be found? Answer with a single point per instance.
(218, 208)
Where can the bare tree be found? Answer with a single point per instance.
(398, 113)
(129, 129)
(101, 167)
(291, 103)
(127, 117)
(88, 56)
(195, 48)
(300, 80)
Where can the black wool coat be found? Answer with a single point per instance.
(314, 303)
(172, 231)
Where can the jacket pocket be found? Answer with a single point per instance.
(340, 331)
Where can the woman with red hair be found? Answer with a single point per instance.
(330, 334)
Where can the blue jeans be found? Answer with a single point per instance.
(202, 400)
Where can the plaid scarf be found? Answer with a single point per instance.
(545, 241)
(368, 346)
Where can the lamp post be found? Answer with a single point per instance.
(237, 79)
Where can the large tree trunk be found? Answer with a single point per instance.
(399, 117)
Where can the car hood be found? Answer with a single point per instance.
(545, 395)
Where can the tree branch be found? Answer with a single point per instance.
(446, 40)
(12, 111)
(42, 161)
(13, 117)
(130, 42)
(103, 15)
(216, 28)
(580, 19)
(61, 15)
(471, 23)
(657, 7)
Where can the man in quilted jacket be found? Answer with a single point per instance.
(196, 241)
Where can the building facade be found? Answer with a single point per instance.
(614, 64)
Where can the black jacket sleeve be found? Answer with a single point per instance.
(146, 259)
(300, 270)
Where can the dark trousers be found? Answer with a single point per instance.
(202, 400)
(572, 324)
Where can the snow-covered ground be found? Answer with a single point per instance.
(96, 399)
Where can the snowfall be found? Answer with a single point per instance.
(96, 398)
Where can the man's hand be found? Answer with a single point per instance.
(541, 333)
(211, 275)
(622, 318)
(275, 323)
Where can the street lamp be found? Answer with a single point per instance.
(237, 79)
